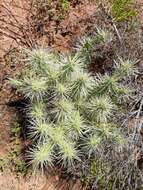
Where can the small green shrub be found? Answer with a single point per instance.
(13, 159)
(65, 5)
(4, 162)
(123, 9)
(15, 130)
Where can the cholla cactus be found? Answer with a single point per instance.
(100, 109)
(62, 109)
(92, 143)
(40, 58)
(76, 127)
(104, 35)
(86, 45)
(41, 155)
(71, 111)
(109, 85)
(68, 154)
(39, 129)
(124, 68)
(69, 64)
(81, 84)
(37, 110)
(33, 87)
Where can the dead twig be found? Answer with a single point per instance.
(14, 29)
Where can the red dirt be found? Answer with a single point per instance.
(73, 26)
(8, 69)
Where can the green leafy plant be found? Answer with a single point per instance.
(123, 9)
(4, 162)
(65, 4)
(15, 130)
(13, 160)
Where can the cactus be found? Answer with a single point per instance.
(71, 112)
